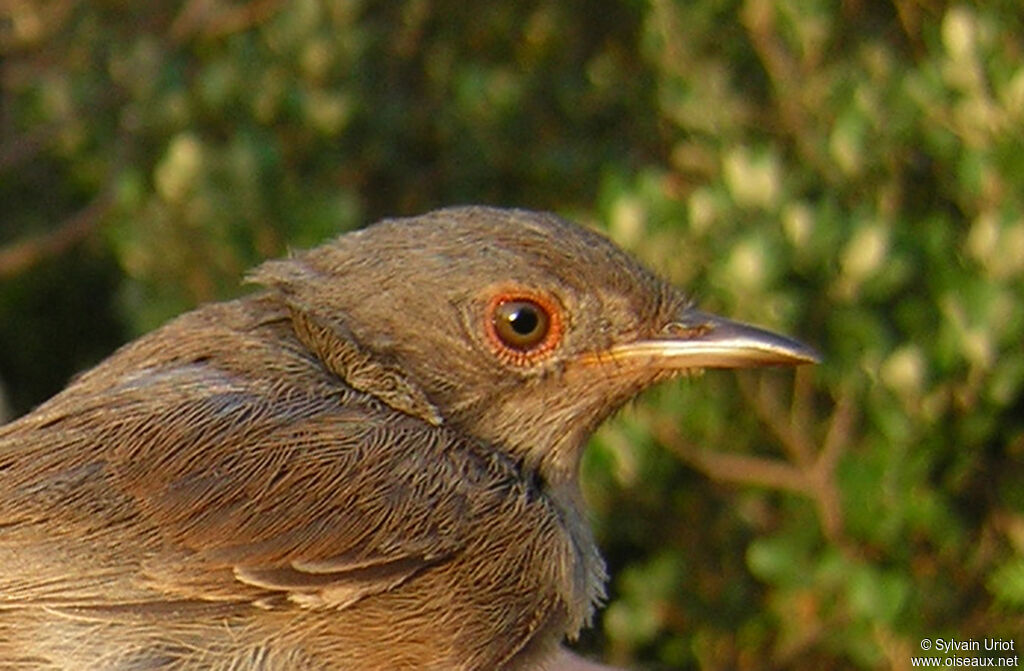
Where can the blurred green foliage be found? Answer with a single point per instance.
(851, 172)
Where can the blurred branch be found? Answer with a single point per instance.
(794, 432)
(826, 490)
(27, 145)
(28, 24)
(786, 74)
(209, 19)
(17, 256)
(909, 14)
(734, 467)
(794, 437)
(810, 472)
(5, 408)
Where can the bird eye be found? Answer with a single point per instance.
(521, 324)
(523, 328)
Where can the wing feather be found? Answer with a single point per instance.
(239, 487)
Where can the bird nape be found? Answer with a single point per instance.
(371, 463)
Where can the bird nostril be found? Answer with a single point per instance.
(685, 331)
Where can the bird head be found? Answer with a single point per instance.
(519, 328)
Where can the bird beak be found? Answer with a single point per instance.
(702, 340)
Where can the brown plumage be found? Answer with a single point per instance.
(370, 464)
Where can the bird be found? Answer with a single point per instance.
(370, 462)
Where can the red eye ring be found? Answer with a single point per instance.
(522, 327)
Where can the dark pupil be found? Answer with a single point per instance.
(523, 321)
